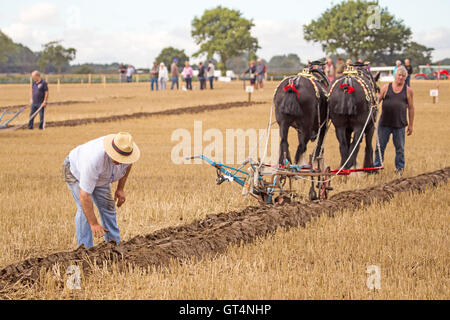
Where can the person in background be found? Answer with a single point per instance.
(398, 63)
(330, 70)
(210, 74)
(163, 76)
(130, 72)
(154, 75)
(38, 99)
(187, 75)
(202, 75)
(174, 73)
(260, 74)
(89, 170)
(397, 98)
(410, 71)
(122, 73)
(348, 63)
(251, 71)
(340, 67)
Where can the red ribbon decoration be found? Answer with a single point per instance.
(292, 86)
(350, 89)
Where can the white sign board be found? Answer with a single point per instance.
(224, 79)
(249, 89)
(434, 93)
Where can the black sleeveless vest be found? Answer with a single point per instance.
(393, 113)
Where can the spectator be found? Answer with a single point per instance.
(163, 76)
(252, 73)
(348, 63)
(427, 70)
(397, 98)
(260, 73)
(154, 75)
(210, 73)
(398, 63)
(174, 72)
(410, 71)
(330, 70)
(340, 67)
(130, 72)
(122, 73)
(39, 96)
(202, 75)
(187, 74)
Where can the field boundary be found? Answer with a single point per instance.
(215, 233)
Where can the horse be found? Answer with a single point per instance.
(301, 102)
(353, 108)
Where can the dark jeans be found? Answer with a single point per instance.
(407, 81)
(154, 81)
(211, 80)
(174, 81)
(129, 79)
(34, 108)
(398, 136)
(202, 83)
(189, 83)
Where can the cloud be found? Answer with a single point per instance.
(282, 37)
(436, 38)
(39, 13)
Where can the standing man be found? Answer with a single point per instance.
(39, 96)
(202, 75)
(174, 72)
(410, 71)
(154, 75)
(210, 74)
(130, 72)
(251, 71)
(340, 67)
(396, 98)
(260, 73)
(89, 171)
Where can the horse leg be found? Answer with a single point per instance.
(368, 156)
(302, 141)
(342, 136)
(355, 145)
(320, 141)
(284, 145)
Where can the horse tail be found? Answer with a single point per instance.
(290, 104)
(346, 105)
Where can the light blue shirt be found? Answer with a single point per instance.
(92, 166)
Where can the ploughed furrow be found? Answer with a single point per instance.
(216, 232)
(137, 115)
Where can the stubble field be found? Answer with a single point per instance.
(407, 237)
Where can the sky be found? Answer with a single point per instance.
(105, 31)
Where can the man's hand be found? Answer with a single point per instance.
(409, 131)
(44, 104)
(119, 196)
(98, 230)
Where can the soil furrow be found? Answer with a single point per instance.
(216, 232)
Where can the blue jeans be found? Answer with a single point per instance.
(408, 80)
(398, 136)
(103, 200)
(211, 80)
(154, 81)
(174, 81)
(188, 83)
(34, 108)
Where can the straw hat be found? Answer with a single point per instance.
(121, 148)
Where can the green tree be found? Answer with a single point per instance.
(54, 53)
(285, 63)
(359, 28)
(168, 54)
(225, 33)
(84, 69)
(6, 46)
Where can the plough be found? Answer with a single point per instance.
(273, 184)
(14, 114)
